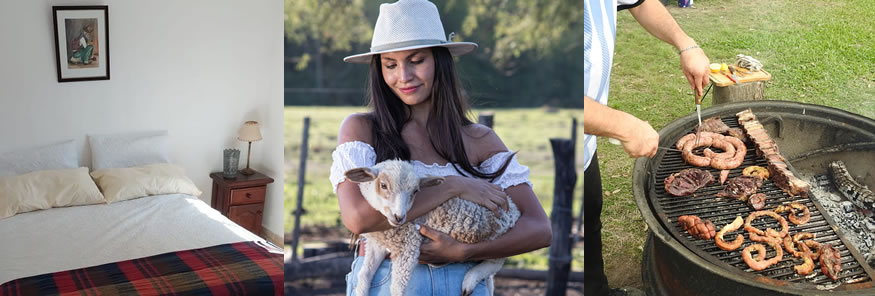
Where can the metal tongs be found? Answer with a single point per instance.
(699, 109)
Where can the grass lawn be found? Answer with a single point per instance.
(524, 130)
(819, 52)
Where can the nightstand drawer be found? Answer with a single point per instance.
(247, 216)
(247, 195)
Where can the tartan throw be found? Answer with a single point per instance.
(245, 268)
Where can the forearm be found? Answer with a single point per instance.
(653, 16)
(527, 235)
(532, 230)
(429, 198)
(604, 121)
(356, 213)
(359, 217)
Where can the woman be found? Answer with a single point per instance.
(418, 113)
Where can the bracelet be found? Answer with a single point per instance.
(688, 48)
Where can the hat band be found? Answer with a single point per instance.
(402, 44)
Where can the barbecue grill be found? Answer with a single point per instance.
(675, 263)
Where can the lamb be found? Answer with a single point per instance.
(390, 188)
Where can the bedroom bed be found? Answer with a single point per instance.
(130, 224)
(162, 244)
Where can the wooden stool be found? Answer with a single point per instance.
(750, 86)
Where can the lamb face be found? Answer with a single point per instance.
(390, 187)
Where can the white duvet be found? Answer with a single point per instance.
(76, 237)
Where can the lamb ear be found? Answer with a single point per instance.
(430, 181)
(360, 175)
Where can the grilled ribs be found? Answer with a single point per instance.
(767, 148)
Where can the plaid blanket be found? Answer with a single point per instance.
(245, 268)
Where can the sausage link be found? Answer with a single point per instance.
(735, 161)
(696, 160)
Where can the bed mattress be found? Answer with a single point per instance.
(62, 239)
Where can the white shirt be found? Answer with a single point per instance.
(599, 32)
(357, 154)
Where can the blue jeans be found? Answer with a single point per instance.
(426, 280)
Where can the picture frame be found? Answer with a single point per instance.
(81, 42)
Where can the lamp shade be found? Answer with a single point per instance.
(250, 132)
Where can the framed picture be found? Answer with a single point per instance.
(81, 42)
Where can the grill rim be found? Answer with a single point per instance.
(643, 172)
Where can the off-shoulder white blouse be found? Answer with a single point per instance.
(358, 154)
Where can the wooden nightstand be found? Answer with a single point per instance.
(241, 199)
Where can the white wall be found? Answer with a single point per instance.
(197, 68)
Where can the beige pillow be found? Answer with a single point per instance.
(118, 184)
(42, 190)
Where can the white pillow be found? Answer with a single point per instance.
(129, 149)
(154, 179)
(47, 189)
(49, 157)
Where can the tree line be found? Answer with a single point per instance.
(530, 52)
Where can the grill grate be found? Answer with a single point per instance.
(722, 211)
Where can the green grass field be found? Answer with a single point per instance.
(524, 130)
(819, 52)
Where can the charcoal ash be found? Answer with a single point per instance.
(823, 183)
(858, 226)
(847, 206)
(870, 224)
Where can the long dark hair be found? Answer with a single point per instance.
(449, 113)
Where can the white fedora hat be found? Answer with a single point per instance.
(406, 25)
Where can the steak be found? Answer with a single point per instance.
(830, 262)
(757, 201)
(714, 125)
(741, 187)
(687, 181)
(738, 133)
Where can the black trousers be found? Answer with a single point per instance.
(594, 281)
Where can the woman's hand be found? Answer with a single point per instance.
(479, 191)
(441, 249)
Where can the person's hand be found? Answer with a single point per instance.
(640, 139)
(695, 64)
(480, 192)
(441, 249)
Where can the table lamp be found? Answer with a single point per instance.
(249, 133)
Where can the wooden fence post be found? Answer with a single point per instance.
(574, 139)
(486, 118)
(301, 179)
(560, 217)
